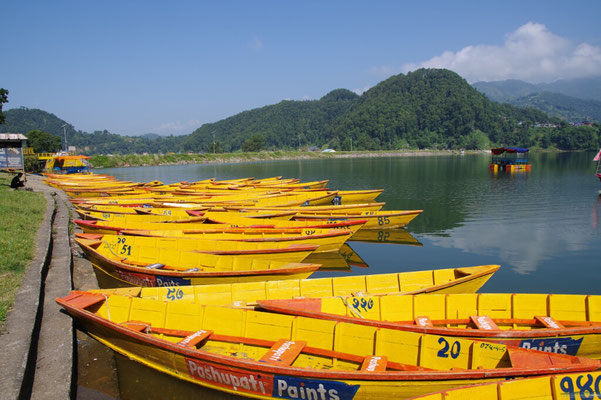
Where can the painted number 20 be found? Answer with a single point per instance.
(444, 351)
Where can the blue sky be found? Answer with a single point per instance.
(168, 67)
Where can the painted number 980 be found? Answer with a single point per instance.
(584, 388)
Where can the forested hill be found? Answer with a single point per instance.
(286, 125)
(427, 108)
(24, 120)
(572, 100)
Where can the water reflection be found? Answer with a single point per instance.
(396, 236)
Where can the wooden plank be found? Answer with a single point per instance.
(374, 364)
(484, 322)
(195, 338)
(136, 325)
(423, 321)
(283, 352)
(549, 322)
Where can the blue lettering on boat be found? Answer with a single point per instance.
(554, 345)
(171, 281)
(286, 387)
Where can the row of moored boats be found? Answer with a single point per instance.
(209, 282)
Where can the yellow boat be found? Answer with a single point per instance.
(67, 164)
(326, 209)
(449, 280)
(296, 185)
(356, 196)
(552, 387)
(327, 240)
(137, 264)
(375, 219)
(566, 324)
(266, 355)
(118, 222)
(127, 246)
(183, 212)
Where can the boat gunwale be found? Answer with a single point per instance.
(256, 366)
(305, 267)
(268, 304)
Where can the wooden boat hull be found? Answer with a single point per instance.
(375, 219)
(247, 353)
(242, 294)
(356, 196)
(551, 387)
(326, 240)
(573, 322)
(134, 274)
(119, 222)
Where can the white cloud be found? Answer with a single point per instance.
(362, 90)
(177, 127)
(531, 53)
(256, 44)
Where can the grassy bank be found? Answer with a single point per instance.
(21, 213)
(132, 160)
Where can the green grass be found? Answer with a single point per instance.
(21, 213)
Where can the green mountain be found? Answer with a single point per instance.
(504, 91)
(23, 120)
(561, 106)
(427, 108)
(424, 108)
(572, 100)
(421, 109)
(286, 125)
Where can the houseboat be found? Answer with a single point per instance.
(509, 159)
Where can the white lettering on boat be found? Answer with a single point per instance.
(373, 363)
(281, 350)
(483, 322)
(237, 380)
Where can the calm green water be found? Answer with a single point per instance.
(542, 227)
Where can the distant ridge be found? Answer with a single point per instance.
(572, 100)
(426, 108)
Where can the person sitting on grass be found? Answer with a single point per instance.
(16, 183)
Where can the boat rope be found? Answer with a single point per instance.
(350, 307)
(108, 311)
(115, 254)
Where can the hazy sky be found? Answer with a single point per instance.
(168, 67)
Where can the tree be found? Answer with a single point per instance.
(43, 142)
(253, 143)
(3, 99)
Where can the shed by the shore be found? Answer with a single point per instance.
(11, 151)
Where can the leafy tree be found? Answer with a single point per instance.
(43, 142)
(3, 99)
(254, 143)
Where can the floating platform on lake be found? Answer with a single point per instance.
(510, 159)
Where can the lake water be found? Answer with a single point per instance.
(542, 227)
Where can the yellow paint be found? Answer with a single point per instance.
(540, 388)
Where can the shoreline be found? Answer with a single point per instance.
(152, 160)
